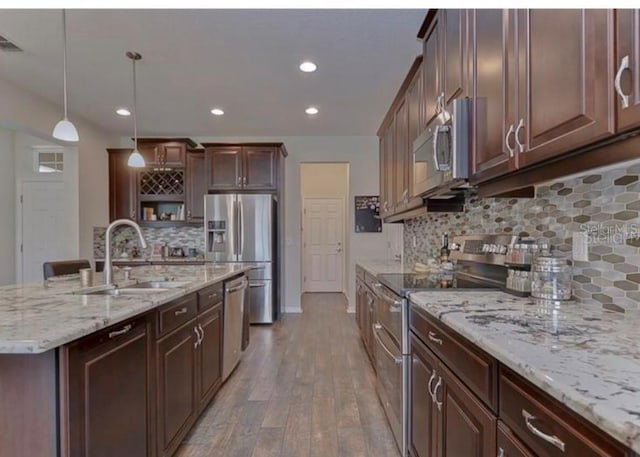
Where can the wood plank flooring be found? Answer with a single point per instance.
(305, 388)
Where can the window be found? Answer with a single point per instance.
(49, 161)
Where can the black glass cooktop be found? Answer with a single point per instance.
(402, 284)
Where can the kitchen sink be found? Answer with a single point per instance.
(124, 291)
(164, 285)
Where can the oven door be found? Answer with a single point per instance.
(389, 380)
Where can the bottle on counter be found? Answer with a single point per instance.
(444, 250)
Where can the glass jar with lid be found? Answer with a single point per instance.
(551, 279)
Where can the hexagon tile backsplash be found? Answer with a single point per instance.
(604, 205)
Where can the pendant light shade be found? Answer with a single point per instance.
(65, 130)
(135, 159)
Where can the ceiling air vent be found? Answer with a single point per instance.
(8, 46)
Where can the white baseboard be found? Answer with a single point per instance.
(292, 309)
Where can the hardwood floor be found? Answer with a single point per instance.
(305, 387)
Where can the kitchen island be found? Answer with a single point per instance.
(90, 374)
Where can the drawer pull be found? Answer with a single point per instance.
(396, 360)
(180, 311)
(435, 393)
(433, 337)
(554, 440)
(212, 296)
(124, 330)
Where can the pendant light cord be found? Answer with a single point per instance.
(135, 109)
(64, 60)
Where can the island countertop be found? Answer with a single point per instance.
(586, 357)
(37, 317)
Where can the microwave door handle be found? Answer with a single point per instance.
(436, 136)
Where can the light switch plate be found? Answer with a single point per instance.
(580, 247)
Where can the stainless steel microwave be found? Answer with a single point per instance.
(441, 153)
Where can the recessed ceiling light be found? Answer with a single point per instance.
(308, 67)
(311, 110)
(123, 112)
(217, 112)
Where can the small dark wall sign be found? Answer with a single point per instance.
(367, 215)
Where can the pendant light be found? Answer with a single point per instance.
(65, 130)
(135, 159)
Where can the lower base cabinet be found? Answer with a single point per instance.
(209, 356)
(177, 407)
(109, 393)
(447, 420)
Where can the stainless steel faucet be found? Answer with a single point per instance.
(108, 269)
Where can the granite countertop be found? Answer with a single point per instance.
(37, 317)
(139, 260)
(586, 357)
(377, 267)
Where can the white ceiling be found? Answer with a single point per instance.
(245, 61)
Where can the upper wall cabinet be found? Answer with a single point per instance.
(196, 185)
(123, 191)
(248, 167)
(163, 152)
(564, 81)
(627, 75)
(494, 92)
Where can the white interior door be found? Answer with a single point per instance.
(44, 212)
(323, 234)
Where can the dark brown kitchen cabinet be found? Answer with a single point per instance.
(415, 107)
(162, 152)
(494, 82)
(467, 427)
(209, 355)
(109, 392)
(627, 66)
(388, 172)
(177, 402)
(367, 322)
(564, 81)
(401, 157)
(242, 167)
(509, 445)
(431, 74)
(423, 432)
(123, 190)
(447, 419)
(224, 168)
(259, 168)
(196, 186)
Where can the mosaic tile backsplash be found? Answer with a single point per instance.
(604, 205)
(125, 238)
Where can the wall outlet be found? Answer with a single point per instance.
(580, 247)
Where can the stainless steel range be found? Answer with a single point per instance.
(479, 264)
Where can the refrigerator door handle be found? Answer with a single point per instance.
(235, 229)
(240, 228)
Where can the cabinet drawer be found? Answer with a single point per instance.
(478, 370)
(174, 314)
(209, 297)
(546, 426)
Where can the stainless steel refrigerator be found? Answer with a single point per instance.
(241, 228)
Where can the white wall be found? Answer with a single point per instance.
(361, 152)
(7, 208)
(25, 112)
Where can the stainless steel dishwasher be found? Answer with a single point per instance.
(234, 302)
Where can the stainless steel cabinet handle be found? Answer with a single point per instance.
(506, 141)
(500, 452)
(434, 337)
(201, 333)
(431, 379)
(517, 135)
(435, 393)
(242, 286)
(239, 180)
(257, 284)
(197, 343)
(188, 213)
(180, 311)
(244, 180)
(124, 330)
(554, 440)
(396, 360)
(624, 65)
